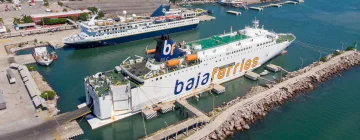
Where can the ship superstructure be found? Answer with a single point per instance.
(173, 70)
(103, 32)
(230, 2)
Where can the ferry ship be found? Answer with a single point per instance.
(174, 70)
(230, 2)
(104, 32)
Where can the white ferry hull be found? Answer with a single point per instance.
(44, 63)
(117, 39)
(165, 92)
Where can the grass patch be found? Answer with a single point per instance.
(48, 95)
(324, 59)
(31, 68)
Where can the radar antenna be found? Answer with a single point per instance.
(255, 23)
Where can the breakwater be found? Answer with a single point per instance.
(239, 113)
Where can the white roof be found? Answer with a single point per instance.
(40, 49)
(2, 28)
(59, 13)
(1, 97)
(37, 101)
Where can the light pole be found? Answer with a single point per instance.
(342, 46)
(302, 62)
(213, 105)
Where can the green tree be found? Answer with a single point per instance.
(350, 48)
(83, 16)
(48, 95)
(27, 19)
(46, 3)
(31, 68)
(48, 21)
(71, 17)
(17, 21)
(65, 10)
(100, 15)
(60, 3)
(93, 9)
(175, 1)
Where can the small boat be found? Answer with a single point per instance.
(265, 72)
(284, 52)
(210, 11)
(42, 56)
(54, 56)
(274, 77)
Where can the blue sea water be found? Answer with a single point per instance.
(329, 112)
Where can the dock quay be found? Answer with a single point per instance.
(194, 110)
(69, 130)
(56, 44)
(272, 68)
(239, 113)
(261, 8)
(234, 12)
(252, 75)
(181, 129)
(206, 18)
(218, 89)
(22, 59)
(190, 125)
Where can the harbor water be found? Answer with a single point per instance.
(329, 112)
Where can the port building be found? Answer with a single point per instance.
(75, 13)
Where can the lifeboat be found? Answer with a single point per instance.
(171, 17)
(179, 16)
(159, 19)
(191, 57)
(173, 62)
(151, 51)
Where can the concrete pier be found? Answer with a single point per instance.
(272, 68)
(194, 110)
(218, 89)
(261, 8)
(206, 18)
(69, 130)
(234, 12)
(173, 131)
(252, 75)
(257, 102)
(257, 8)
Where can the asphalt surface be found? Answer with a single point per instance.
(45, 129)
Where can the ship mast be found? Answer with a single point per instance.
(255, 23)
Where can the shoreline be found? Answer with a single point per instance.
(240, 113)
(44, 86)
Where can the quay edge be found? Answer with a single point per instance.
(241, 112)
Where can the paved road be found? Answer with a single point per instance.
(45, 130)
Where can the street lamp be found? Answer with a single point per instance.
(213, 107)
(342, 46)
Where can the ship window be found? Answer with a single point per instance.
(160, 78)
(157, 79)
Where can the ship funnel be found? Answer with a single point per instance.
(166, 49)
(161, 10)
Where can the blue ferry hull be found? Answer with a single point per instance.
(134, 37)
